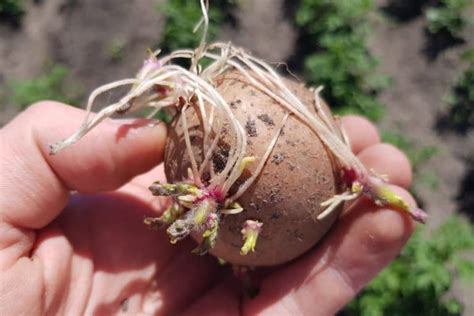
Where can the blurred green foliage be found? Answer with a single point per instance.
(181, 18)
(461, 100)
(48, 86)
(116, 51)
(336, 32)
(11, 11)
(418, 281)
(448, 16)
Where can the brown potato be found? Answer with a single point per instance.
(286, 196)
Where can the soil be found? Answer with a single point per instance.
(81, 33)
(423, 74)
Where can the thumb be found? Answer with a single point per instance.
(35, 186)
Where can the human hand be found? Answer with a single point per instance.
(89, 252)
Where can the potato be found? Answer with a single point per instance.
(286, 196)
(256, 175)
(268, 173)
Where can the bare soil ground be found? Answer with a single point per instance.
(423, 75)
(81, 33)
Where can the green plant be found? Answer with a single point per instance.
(181, 18)
(449, 16)
(11, 11)
(48, 86)
(336, 32)
(417, 282)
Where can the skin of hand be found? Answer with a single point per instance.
(73, 242)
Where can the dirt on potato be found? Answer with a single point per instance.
(286, 196)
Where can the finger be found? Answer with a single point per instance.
(364, 241)
(360, 131)
(35, 185)
(388, 160)
(138, 187)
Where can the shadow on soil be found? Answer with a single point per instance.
(465, 197)
(448, 123)
(460, 116)
(304, 46)
(404, 11)
(435, 44)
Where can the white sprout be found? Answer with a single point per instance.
(261, 164)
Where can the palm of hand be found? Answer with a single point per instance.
(130, 268)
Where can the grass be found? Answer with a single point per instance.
(49, 86)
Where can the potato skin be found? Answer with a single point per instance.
(286, 197)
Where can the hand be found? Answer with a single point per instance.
(89, 252)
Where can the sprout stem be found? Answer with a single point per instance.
(250, 231)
